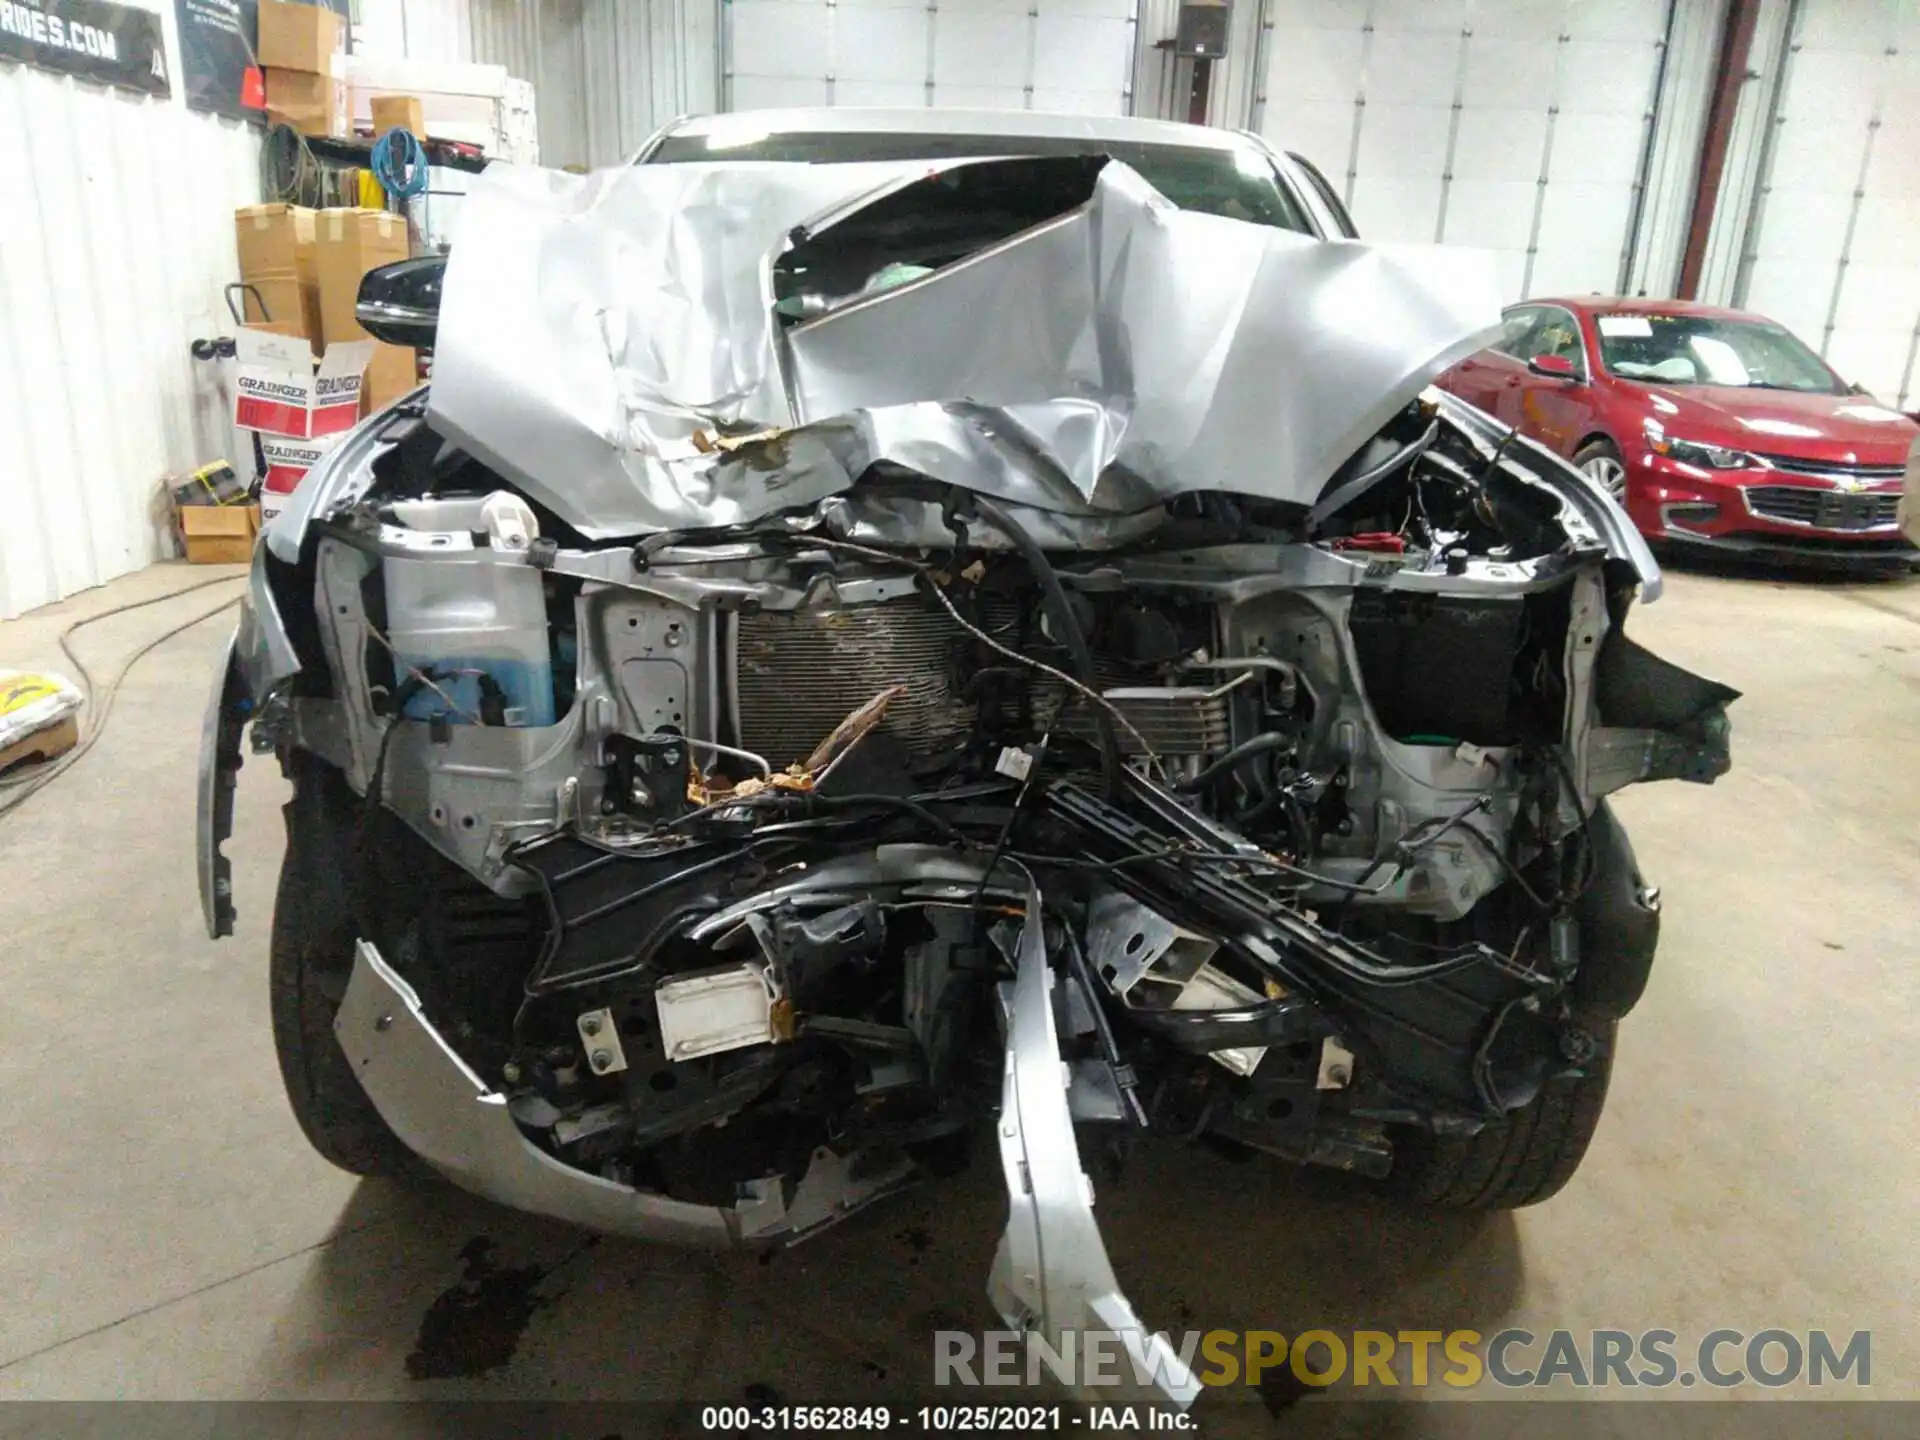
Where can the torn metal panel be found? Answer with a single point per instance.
(1115, 356)
(1051, 1277)
(459, 1124)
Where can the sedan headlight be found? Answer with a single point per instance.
(1708, 457)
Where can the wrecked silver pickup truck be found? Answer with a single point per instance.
(846, 660)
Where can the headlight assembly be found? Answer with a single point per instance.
(1708, 457)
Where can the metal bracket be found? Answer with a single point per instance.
(600, 1037)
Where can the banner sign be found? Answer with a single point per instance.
(120, 45)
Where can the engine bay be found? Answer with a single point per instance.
(728, 833)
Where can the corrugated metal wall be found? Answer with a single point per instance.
(412, 29)
(116, 236)
(1520, 126)
(1830, 248)
(606, 73)
(1070, 56)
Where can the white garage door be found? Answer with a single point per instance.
(1518, 125)
(1834, 248)
(1074, 55)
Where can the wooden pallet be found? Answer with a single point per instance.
(48, 743)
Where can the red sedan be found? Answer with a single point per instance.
(1712, 427)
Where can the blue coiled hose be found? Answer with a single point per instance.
(400, 164)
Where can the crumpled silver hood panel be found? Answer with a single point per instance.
(1102, 362)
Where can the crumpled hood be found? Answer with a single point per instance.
(1102, 361)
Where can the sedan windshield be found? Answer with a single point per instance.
(1237, 183)
(1699, 350)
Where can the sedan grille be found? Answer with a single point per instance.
(1798, 466)
(1822, 509)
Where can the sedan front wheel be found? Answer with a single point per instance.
(1602, 461)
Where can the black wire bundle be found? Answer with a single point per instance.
(289, 173)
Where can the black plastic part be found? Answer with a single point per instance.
(1637, 690)
(234, 707)
(1436, 1036)
(610, 912)
(646, 777)
(1619, 925)
(400, 303)
(1438, 665)
(1634, 689)
(1272, 1022)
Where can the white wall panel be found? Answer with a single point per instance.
(1665, 213)
(1829, 239)
(1060, 55)
(116, 236)
(435, 30)
(606, 73)
(1516, 125)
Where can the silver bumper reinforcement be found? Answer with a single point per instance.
(1051, 1278)
(459, 1124)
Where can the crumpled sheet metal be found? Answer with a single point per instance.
(1102, 362)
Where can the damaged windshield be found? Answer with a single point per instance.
(1239, 184)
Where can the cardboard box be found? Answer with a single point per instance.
(274, 240)
(299, 37)
(278, 388)
(219, 534)
(312, 104)
(217, 483)
(347, 244)
(392, 372)
(287, 464)
(283, 305)
(399, 112)
(49, 742)
(275, 248)
(476, 104)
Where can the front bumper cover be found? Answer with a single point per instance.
(1051, 1278)
(1683, 505)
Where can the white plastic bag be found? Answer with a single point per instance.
(32, 700)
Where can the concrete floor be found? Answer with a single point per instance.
(170, 1236)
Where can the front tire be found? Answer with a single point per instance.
(310, 958)
(1522, 1158)
(1600, 459)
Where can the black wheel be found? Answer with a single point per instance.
(1522, 1158)
(1601, 460)
(309, 960)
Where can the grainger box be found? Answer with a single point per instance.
(288, 461)
(280, 390)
